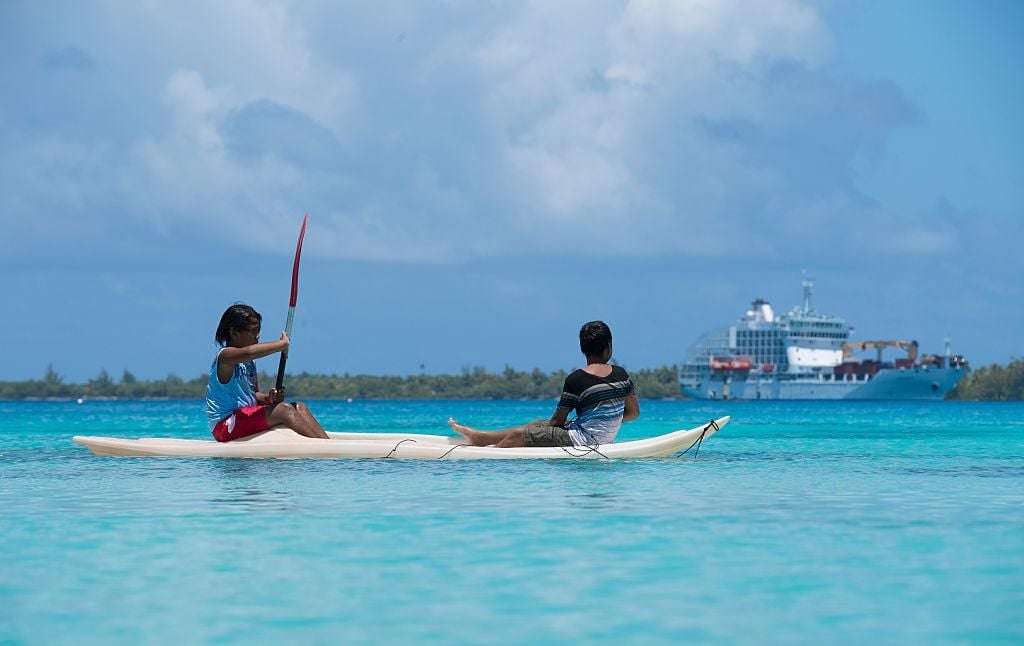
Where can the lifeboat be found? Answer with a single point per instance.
(741, 363)
(721, 363)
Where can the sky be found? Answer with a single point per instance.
(484, 177)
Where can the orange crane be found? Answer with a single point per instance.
(909, 346)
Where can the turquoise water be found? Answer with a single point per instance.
(798, 523)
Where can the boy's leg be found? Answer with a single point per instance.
(311, 421)
(287, 414)
(540, 432)
(508, 437)
(513, 440)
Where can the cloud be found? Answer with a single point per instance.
(690, 124)
(451, 132)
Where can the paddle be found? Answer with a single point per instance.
(291, 302)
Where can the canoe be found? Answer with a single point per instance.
(282, 442)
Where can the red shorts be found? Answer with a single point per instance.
(242, 423)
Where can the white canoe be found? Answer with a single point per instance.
(284, 443)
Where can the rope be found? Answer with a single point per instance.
(712, 424)
(445, 454)
(584, 451)
(395, 448)
(409, 439)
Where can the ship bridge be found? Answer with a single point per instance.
(797, 342)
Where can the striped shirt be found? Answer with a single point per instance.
(599, 403)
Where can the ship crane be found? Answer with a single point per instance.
(910, 347)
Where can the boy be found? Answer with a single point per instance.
(603, 396)
(234, 405)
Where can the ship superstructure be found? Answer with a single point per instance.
(805, 354)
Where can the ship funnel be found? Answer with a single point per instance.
(760, 310)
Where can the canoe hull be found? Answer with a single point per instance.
(282, 442)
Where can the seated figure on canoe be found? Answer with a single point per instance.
(235, 406)
(603, 396)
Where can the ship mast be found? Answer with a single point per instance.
(808, 285)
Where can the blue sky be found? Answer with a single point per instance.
(482, 178)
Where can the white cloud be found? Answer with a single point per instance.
(255, 50)
(588, 110)
(195, 108)
(734, 31)
(435, 133)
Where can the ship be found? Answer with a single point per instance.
(805, 354)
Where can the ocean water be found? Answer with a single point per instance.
(806, 522)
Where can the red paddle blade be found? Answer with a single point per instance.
(295, 266)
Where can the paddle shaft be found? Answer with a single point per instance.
(291, 303)
(284, 353)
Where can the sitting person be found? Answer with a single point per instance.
(603, 396)
(235, 406)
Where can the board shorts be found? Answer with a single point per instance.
(542, 433)
(244, 422)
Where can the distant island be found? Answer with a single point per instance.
(471, 383)
(990, 383)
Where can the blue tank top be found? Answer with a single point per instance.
(224, 399)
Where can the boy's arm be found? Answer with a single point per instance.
(275, 396)
(234, 356)
(559, 416)
(230, 357)
(569, 396)
(632, 410)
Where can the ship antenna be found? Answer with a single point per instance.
(808, 285)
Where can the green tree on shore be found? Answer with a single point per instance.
(993, 383)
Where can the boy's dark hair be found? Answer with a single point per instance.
(236, 317)
(594, 337)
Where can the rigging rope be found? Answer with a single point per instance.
(580, 451)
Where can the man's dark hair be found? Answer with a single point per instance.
(594, 337)
(237, 317)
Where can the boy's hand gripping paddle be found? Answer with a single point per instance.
(291, 302)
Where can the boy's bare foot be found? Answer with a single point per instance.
(459, 428)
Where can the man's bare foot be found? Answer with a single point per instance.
(472, 435)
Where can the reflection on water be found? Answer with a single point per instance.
(246, 485)
(256, 500)
(596, 500)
